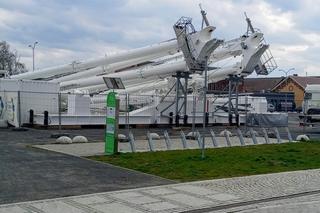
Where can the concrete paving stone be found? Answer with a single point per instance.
(115, 208)
(231, 191)
(126, 195)
(303, 204)
(13, 209)
(56, 207)
(187, 199)
(269, 185)
(161, 206)
(141, 200)
(223, 197)
(307, 207)
(77, 149)
(135, 198)
(160, 191)
(198, 190)
(92, 199)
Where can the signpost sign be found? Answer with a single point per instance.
(111, 145)
(111, 140)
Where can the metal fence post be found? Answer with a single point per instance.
(205, 88)
(131, 141)
(277, 134)
(194, 114)
(253, 136)
(199, 139)
(167, 139)
(226, 135)
(19, 109)
(289, 134)
(60, 108)
(127, 114)
(183, 140)
(246, 114)
(150, 142)
(240, 137)
(213, 138)
(266, 137)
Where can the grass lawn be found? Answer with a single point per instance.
(187, 165)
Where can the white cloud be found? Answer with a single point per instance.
(69, 31)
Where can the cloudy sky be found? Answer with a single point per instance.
(80, 29)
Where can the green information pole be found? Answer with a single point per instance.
(111, 143)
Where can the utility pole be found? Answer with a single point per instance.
(33, 47)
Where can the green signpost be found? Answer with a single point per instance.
(111, 133)
(111, 144)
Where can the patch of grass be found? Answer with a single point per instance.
(187, 165)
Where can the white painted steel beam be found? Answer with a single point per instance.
(167, 48)
(156, 72)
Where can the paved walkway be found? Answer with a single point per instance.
(281, 192)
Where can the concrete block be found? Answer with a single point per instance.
(122, 138)
(227, 132)
(79, 139)
(248, 134)
(191, 135)
(155, 136)
(302, 138)
(64, 140)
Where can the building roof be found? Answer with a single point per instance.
(302, 81)
(260, 84)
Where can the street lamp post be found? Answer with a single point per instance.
(205, 88)
(286, 73)
(33, 47)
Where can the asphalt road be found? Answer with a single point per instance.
(31, 174)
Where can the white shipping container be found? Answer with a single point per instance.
(20, 96)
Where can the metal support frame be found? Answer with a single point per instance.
(181, 93)
(233, 94)
(164, 97)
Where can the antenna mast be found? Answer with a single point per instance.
(250, 27)
(204, 17)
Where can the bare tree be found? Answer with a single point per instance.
(9, 60)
